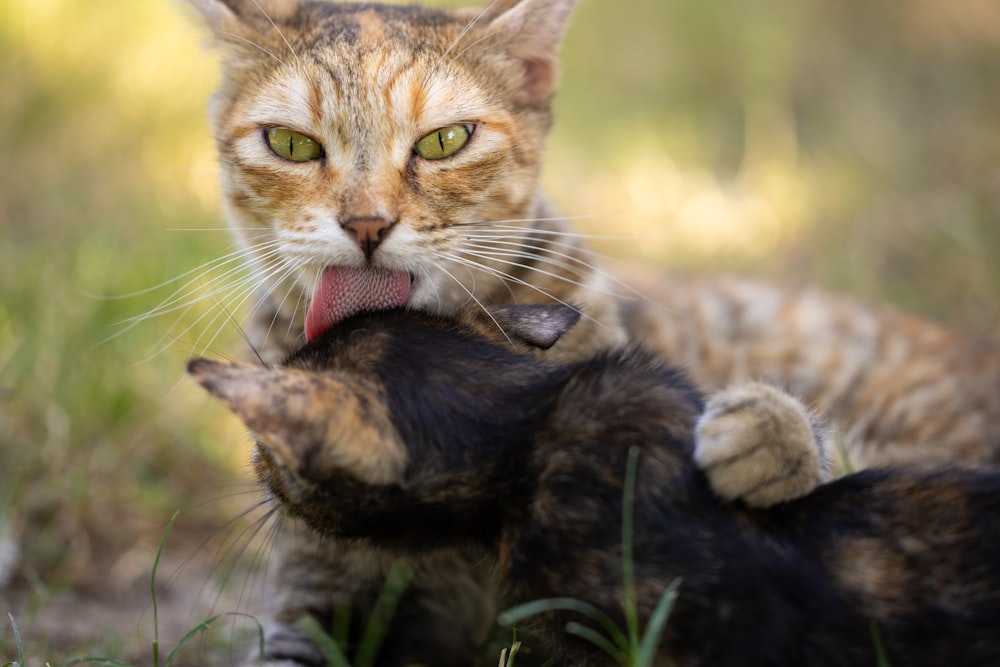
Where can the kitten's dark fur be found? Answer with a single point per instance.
(471, 442)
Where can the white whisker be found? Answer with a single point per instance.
(186, 298)
(276, 274)
(522, 242)
(472, 296)
(558, 269)
(251, 43)
(520, 221)
(469, 46)
(524, 250)
(528, 267)
(534, 247)
(237, 254)
(264, 231)
(278, 30)
(504, 229)
(455, 42)
(291, 270)
(508, 278)
(262, 531)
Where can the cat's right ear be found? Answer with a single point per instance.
(531, 30)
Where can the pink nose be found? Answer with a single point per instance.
(368, 232)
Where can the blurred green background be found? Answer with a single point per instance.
(850, 145)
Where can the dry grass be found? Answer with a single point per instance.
(853, 146)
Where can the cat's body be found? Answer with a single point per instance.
(536, 483)
(897, 388)
(367, 83)
(379, 156)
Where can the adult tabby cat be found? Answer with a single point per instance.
(377, 431)
(376, 156)
(380, 156)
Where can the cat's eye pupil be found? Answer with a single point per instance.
(291, 145)
(444, 142)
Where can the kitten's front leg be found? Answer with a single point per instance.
(760, 445)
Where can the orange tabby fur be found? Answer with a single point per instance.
(368, 82)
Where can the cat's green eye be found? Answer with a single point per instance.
(444, 142)
(292, 145)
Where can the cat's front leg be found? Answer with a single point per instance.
(273, 330)
(442, 619)
(758, 444)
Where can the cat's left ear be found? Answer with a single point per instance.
(537, 325)
(531, 31)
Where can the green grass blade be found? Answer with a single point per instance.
(323, 641)
(341, 624)
(507, 655)
(656, 624)
(98, 661)
(600, 641)
(17, 640)
(629, 604)
(152, 590)
(204, 625)
(880, 654)
(522, 612)
(396, 583)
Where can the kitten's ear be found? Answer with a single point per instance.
(531, 30)
(537, 325)
(278, 404)
(248, 29)
(308, 417)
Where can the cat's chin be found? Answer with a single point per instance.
(344, 291)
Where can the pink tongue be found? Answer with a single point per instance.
(344, 291)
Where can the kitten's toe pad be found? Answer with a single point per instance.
(759, 444)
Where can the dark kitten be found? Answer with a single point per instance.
(414, 432)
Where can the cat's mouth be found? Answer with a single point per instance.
(344, 291)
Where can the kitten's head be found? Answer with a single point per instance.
(386, 399)
(362, 145)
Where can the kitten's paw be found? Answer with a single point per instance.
(758, 444)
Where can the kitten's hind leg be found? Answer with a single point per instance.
(760, 445)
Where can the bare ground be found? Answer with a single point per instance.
(110, 614)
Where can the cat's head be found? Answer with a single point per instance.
(358, 136)
(382, 398)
